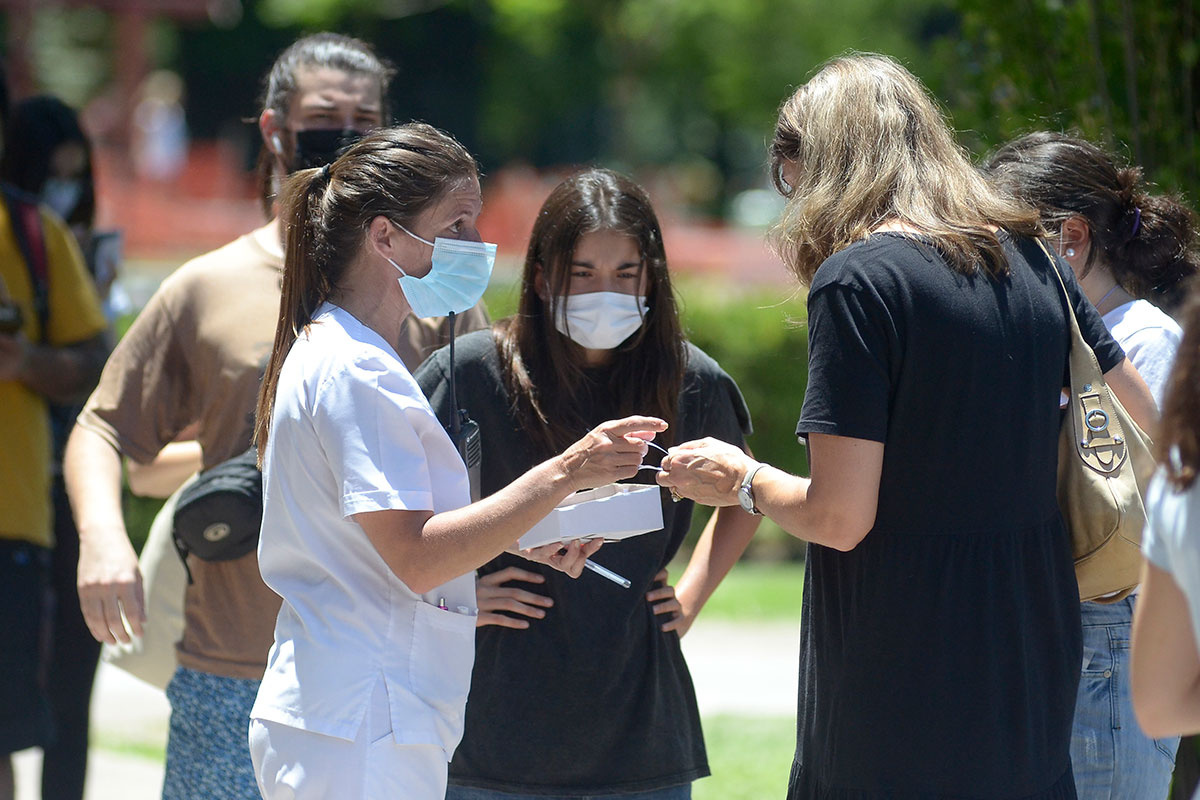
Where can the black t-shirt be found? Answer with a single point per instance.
(940, 657)
(593, 698)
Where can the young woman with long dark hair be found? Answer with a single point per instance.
(589, 673)
(368, 532)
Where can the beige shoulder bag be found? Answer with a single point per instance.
(1103, 460)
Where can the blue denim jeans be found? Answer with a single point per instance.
(1111, 757)
(683, 792)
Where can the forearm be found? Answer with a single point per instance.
(109, 581)
(92, 470)
(721, 544)
(791, 503)
(453, 543)
(167, 472)
(64, 374)
(1165, 665)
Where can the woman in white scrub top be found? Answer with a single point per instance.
(368, 532)
(1166, 627)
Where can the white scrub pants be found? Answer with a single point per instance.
(294, 764)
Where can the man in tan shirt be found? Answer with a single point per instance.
(193, 361)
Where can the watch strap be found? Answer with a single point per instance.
(747, 487)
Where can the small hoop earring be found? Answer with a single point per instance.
(1070, 252)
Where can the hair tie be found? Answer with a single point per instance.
(1137, 221)
(325, 174)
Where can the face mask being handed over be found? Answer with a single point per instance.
(600, 320)
(461, 271)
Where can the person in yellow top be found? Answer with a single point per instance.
(52, 349)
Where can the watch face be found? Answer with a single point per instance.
(744, 499)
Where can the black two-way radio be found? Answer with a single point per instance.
(464, 431)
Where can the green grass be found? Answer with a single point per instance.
(750, 757)
(754, 591)
(130, 747)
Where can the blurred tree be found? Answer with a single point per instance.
(1123, 72)
(691, 85)
(662, 82)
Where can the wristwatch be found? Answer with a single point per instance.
(745, 492)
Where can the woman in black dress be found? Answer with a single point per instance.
(940, 638)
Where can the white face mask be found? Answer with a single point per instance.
(600, 320)
(62, 195)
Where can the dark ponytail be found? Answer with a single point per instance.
(1147, 241)
(395, 173)
(1160, 255)
(304, 283)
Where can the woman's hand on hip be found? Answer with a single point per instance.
(494, 593)
(611, 451)
(664, 603)
(708, 471)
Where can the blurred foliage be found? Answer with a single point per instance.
(760, 339)
(139, 516)
(628, 83)
(1121, 72)
(692, 85)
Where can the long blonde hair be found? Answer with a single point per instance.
(867, 145)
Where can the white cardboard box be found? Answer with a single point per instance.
(612, 512)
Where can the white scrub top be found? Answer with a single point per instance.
(351, 432)
(1171, 539)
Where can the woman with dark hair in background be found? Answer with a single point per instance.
(1133, 253)
(1166, 626)
(593, 681)
(48, 156)
(940, 639)
(368, 533)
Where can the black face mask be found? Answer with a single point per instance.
(316, 148)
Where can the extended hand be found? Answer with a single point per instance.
(568, 558)
(611, 451)
(110, 584)
(493, 596)
(708, 471)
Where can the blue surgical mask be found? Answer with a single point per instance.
(460, 273)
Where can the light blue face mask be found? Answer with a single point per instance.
(461, 271)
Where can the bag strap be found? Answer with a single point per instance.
(26, 224)
(1077, 340)
(1098, 437)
